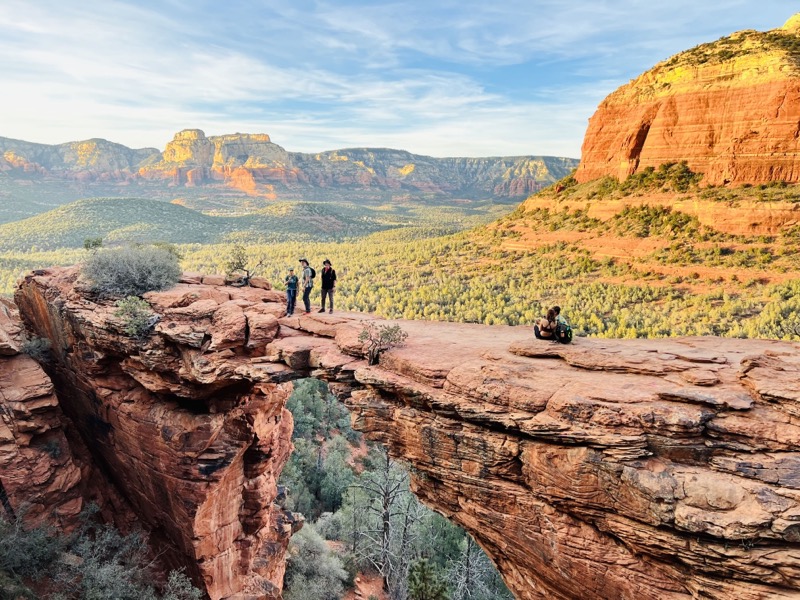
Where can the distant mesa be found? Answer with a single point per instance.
(730, 108)
(251, 163)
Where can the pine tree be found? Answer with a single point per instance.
(424, 584)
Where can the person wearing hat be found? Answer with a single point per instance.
(291, 291)
(328, 284)
(308, 283)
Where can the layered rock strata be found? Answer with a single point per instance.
(644, 469)
(730, 109)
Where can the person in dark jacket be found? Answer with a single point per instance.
(328, 284)
(291, 292)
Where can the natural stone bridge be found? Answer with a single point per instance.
(606, 469)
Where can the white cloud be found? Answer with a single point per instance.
(444, 78)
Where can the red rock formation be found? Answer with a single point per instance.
(731, 109)
(195, 446)
(645, 469)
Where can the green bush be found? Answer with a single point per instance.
(136, 316)
(131, 271)
(26, 551)
(312, 570)
(95, 563)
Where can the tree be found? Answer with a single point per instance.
(473, 576)
(92, 244)
(237, 262)
(423, 583)
(379, 338)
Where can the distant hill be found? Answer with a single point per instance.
(729, 108)
(125, 220)
(252, 165)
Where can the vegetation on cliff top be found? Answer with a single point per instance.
(741, 43)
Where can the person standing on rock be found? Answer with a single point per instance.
(291, 292)
(308, 283)
(328, 284)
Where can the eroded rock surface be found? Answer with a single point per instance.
(644, 469)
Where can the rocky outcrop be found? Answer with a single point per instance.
(257, 166)
(730, 109)
(643, 469)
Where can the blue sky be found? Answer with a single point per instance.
(436, 77)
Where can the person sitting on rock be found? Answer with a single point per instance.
(545, 328)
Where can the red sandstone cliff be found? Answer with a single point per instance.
(644, 469)
(731, 109)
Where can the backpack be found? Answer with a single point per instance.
(563, 333)
(313, 272)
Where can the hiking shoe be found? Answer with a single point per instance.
(321, 310)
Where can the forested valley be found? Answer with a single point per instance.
(363, 519)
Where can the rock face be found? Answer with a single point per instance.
(39, 477)
(644, 469)
(731, 109)
(255, 165)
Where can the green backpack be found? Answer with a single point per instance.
(563, 333)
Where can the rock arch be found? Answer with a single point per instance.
(605, 469)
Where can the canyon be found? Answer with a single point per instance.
(604, 469)
(730, 109)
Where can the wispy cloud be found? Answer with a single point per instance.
(449, 77)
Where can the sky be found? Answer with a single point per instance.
(434, 77)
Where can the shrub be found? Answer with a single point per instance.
(312, 570)
(26, 551)
(92, 244)
(37, 348)
(136, 316)
(131, 271)
(378, 339)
